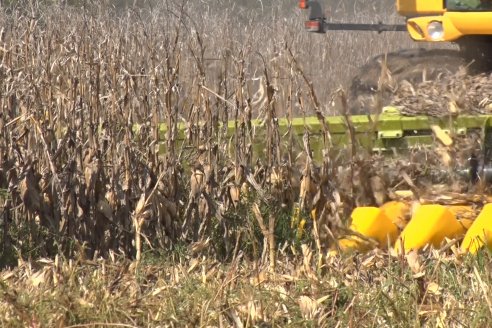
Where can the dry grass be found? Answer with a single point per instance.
(373, 290)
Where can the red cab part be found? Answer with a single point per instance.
(314, 26)
(303, 4)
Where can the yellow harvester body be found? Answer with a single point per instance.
(457, 18)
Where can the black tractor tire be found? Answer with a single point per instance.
(367, 95)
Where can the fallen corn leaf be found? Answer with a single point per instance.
(405, 194)
(453, 107)
(308, 307)
(159, 290)
(83, 303)
(193, 264)
(414, 263)
(446, 159)
(433, 289)
(38, 278)
(441, 135)
(255, 311)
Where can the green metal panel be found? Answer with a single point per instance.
(380, 132)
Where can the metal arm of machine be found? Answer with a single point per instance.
(380, 27)
(317, 22)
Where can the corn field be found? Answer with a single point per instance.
(86, 163)
(146, 178)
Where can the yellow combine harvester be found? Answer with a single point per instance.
(468, 23)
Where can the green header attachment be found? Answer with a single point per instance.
(385, 132)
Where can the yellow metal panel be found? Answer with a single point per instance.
(466, 223)
(480, 233)
(470, 23)
(429, 225)
(374, 223)
(397, 212)
(370, 222)
(411, 8)
(456, 25)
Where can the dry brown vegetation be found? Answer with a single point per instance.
(371, 290)
(86, 171)
(76, 82)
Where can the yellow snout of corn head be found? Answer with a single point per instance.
(429, 224)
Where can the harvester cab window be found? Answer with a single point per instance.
(469, 5)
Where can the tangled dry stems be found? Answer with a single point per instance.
(84, 161)
(87, 171)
